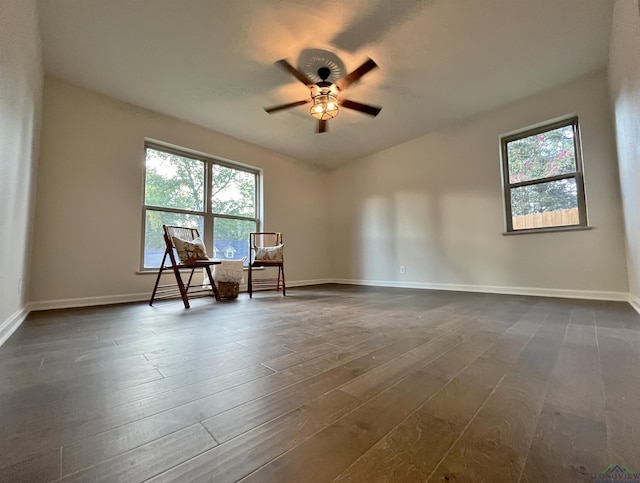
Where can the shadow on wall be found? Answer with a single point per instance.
(407, 228)
(440, 215)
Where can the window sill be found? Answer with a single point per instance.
(555, 229)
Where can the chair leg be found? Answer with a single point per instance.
(188, 285)
(155, 287)
(214, 289)
(181, 287)
(284, 286)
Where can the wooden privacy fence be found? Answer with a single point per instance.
(546, 219)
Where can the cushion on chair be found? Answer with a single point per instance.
(269, 253)
(190, 251)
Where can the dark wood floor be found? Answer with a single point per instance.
(331, 383)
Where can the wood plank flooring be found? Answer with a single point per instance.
(331, 383)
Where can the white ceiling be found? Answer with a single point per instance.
(211, 61)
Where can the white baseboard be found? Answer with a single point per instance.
(127, 298)
(532, 291)
(634, 302)
(10, 325)
(295, 283)
(304, 283)
(88, 301)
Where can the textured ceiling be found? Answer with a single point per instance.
(210, 62)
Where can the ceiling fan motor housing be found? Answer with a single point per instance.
(324, 73)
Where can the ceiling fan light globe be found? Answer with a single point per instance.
(325, 106)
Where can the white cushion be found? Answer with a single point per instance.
(269, 253)
(190, 251)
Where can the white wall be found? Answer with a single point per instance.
(90, 191)
(435, 205)
(20, 106)
(624, 83)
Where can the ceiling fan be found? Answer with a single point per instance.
(325, 96)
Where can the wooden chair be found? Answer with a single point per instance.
(174, 264)
(266, 251)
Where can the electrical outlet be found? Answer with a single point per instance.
(403, 270)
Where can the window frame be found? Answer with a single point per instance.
(577, 175)
(207, 214)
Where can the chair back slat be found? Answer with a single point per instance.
(182, 232)
(265, 239)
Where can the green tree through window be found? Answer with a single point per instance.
(176, 185)
(543, 177)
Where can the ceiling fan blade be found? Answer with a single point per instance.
(349, 79)
(281, 107)
(322, 126)
(295, 72)
(358, 106)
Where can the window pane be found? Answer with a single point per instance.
(231, 238)
(545, 205)
(174, 181)
(542, 155)
(154, 241)
(233, 192)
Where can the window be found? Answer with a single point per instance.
(542, 177)
(218, 198)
